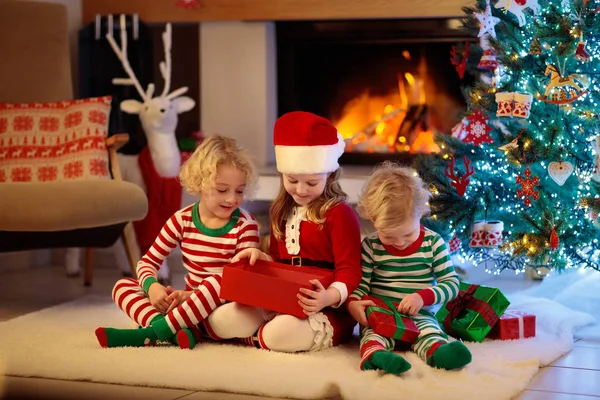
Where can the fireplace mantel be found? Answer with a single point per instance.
(273, 10)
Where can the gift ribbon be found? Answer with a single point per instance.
(519, 317)
(391, 311)
(466, 299)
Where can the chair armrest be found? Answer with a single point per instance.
(114, 143)
(117, 141)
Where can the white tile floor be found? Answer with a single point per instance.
(576, 376)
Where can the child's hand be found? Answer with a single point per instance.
(315, 300)
(411, 304)
(357, 310)
(157, 294)
(176, 297)
(252, 255)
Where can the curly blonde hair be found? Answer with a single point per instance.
(392, 195)
(199, 172)
(315, 211)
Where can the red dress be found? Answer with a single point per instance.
(335, 242)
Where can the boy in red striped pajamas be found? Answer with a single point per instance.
(210, 233)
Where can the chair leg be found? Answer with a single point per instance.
(131, 248)
(88, 275)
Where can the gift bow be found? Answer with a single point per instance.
(466, 300)
(392, 311)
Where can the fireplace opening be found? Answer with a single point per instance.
(387, 85)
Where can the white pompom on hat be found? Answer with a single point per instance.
(306, 144)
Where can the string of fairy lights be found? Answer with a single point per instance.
(553, 132)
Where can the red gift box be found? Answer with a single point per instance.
(270, 285)
(513, 325)
(386, 321)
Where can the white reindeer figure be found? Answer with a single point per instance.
(517, 6)
(159, 117)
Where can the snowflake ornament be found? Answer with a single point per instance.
(487, 21)
(528, 185)
(478, 129)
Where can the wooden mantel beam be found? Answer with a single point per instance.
(268, 10)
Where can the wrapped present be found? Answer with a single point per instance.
(473, 313)
(386, 321)
(270, 285)
(513, 325)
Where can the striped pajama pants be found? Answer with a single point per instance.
(430, 334)
(130, 297)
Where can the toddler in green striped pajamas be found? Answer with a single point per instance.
(407, 263)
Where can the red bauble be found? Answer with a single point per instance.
(554, 240)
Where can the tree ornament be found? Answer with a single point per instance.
(488, 60)
(554, 240)
(562, 90)
(560, 171)
(505, 104)
(454, 244)
(517, 6)
(487, 21)
(477, 234)
(528, 185)
(522, 105)
(462, 65)
(493, 233)
(478, 129)
(459, 182)
(512, 145)
(460, 130)
(535, 47)
(580, 52)
(596, 173)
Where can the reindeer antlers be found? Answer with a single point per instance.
(462, 65)
(122, 54)
(460, 183)
(165, 66)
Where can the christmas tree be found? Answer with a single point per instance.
(518, 181)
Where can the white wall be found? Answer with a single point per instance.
(238, 84)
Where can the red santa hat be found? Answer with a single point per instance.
(306, 144)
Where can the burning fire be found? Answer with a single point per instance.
(396, 122)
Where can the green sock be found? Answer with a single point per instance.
(185, 339)
(161, 328)
(387, 361)
(110, 337)
(140, 337)
(453, 355)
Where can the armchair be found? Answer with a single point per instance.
(86, 213)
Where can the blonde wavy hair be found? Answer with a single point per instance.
(392, 195)
(199, 172)
(315, 211)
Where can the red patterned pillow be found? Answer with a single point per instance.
(41, 142)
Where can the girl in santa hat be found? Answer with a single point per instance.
(311, 225)
(209, 232)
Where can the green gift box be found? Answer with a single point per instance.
(473, 313)
(386, 321)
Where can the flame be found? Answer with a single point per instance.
(372, 123)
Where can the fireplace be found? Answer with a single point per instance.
(387, 85)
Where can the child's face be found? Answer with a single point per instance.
(304, 188)
(226, 194)
(401, 236)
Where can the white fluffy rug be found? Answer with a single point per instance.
(59, 342)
